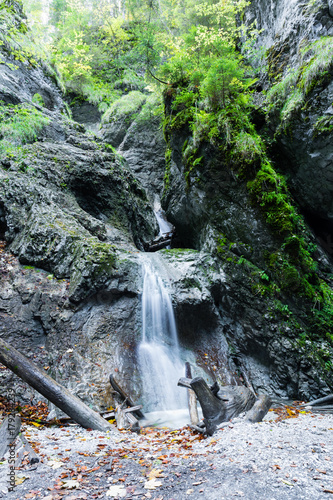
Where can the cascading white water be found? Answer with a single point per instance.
(164, 225)
(159, 352)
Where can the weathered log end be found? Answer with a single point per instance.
(191, 398)
(213, 409)
(259, 409)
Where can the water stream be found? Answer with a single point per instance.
(159, 352)
(159, 357)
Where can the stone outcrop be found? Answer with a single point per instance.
(304, 148)
(75, 215)
(138, 137)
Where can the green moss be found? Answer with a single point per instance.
(324, 125)
(288, 96)
(127, 107)
(168, 154)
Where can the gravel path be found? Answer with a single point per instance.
(289, 459)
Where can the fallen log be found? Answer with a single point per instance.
(9, 430)
(52, 390)
(125, 398)
(319, 401)
(192, 399)
(125, 419)
(159, 246)
(221, 404)
(259, 409)
(133, 409)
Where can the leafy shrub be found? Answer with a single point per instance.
(124, 107)
(19, 124)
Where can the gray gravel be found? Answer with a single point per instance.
(290, 459)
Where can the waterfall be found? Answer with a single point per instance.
(159, 352)
(164, 225)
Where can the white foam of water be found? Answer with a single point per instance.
(174, 419)
(159, 353)
(164, 225)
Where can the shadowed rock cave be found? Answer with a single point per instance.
(323, 230)
(3, 223)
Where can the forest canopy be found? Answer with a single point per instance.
(103, 49)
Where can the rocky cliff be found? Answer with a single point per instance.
(74, 215)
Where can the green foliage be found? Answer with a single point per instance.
(324, 125)
(125, 107)
(38, 99)
(19, 124)
(288, 96)
(14, 36)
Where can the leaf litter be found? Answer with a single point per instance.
(290, 455)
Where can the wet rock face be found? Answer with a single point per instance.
(138, 137)
(306, 154)
(143, 147)
(212, 205)
(233, 333)
(73, 214)
(60, 208)
(79, 345)
(19, 84)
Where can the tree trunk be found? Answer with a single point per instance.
(54, 392)
(213, 409)
(222, 404)
(192, 399)
(320, 401)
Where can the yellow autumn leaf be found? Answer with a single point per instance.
(155, 473)
(20, 479)
(36, 424)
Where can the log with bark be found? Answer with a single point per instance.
(191, 398)
(52, 390)
(221, 404)
(125, 398)
(320, 401)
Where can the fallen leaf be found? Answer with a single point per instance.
(287, 483)
(70, 484)
(152, 484)
(54, 464)
(116, 492)
(20, 479)
(155, 473)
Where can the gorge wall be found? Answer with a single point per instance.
(75, 215)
